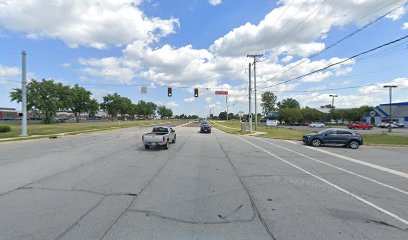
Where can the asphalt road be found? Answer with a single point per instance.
(105, 185)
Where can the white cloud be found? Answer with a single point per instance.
(189, 100)
(287, 59)
(111, 69)
(396, 14)
(99, 93)
(402, 84)
(275, 33)
(208, 99)
(66, 65)
(8, 73)
(317, 77)
(95, 23)
(172, 104)
(405, 26)
(215, 2)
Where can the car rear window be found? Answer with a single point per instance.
(159, 129)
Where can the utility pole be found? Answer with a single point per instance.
(226, 101)
(23, 95)
(390, 87)
(249, 98)
(255, 56)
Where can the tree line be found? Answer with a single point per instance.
(45, 98)
(289, 111)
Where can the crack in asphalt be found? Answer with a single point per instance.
(149, 213)
(172, 155)
(79, 190)
(254, 207)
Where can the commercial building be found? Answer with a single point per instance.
(8, 113)
(399, 113)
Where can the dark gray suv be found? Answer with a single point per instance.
(335, 136)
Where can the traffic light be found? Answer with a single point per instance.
(169, 92)
(195, 92)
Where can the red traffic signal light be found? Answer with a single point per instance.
(169, 92)
(195, 92)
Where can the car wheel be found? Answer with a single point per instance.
(174, 140)
(316, 142)
(370, 128)
(355, 128)
(167, 145)
(147, 146)
(353, 144)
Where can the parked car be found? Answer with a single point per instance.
(205, 128)
(334, 136)
(317, 125)
(387, 125)
(160, 136)
(360, 125)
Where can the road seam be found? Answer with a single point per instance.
(339, 168)
(254, 207)
(380, 209)
(378, 167)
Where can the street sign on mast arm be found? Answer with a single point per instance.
(221, 93)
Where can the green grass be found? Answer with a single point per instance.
(45, 129)
(385, 139)
(291, 134)
(281, 133)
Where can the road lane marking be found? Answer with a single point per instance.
(380, 209)
(378, 167)
(290, 141)
(338, 168)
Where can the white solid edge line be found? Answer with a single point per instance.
(396, 217)
(339, 168)
(378, 167)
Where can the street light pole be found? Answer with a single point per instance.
(23, 95)
(249, 100)
(390, 87)
(255, 56)
(333, 96)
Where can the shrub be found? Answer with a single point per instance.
(5, 129)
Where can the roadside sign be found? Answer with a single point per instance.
(221, 93)
(372, 113)
(271, 123)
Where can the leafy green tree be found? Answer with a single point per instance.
(289, 115)
(44, 97)
(164, 112)
(79, 101)
(125, 105)
(111, 104)
(310, 114)
(150, 109)
(268, 102)
(222, 116)
(289, 103)
(93, 108)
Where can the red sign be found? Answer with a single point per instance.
(221, 92)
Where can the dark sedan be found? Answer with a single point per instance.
(205, 128)
(334, 136)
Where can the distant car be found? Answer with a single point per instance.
(334, 136)
(196, 121)
(317, 125)
(160, 136)
(360, 125)
(205, 128)
(387, 125)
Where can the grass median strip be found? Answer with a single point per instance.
(36, 130)
(292, 134)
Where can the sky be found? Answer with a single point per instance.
(118, 46)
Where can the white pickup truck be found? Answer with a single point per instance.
(160, 136)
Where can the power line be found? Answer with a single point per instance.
(340, 62)
(343, 38)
